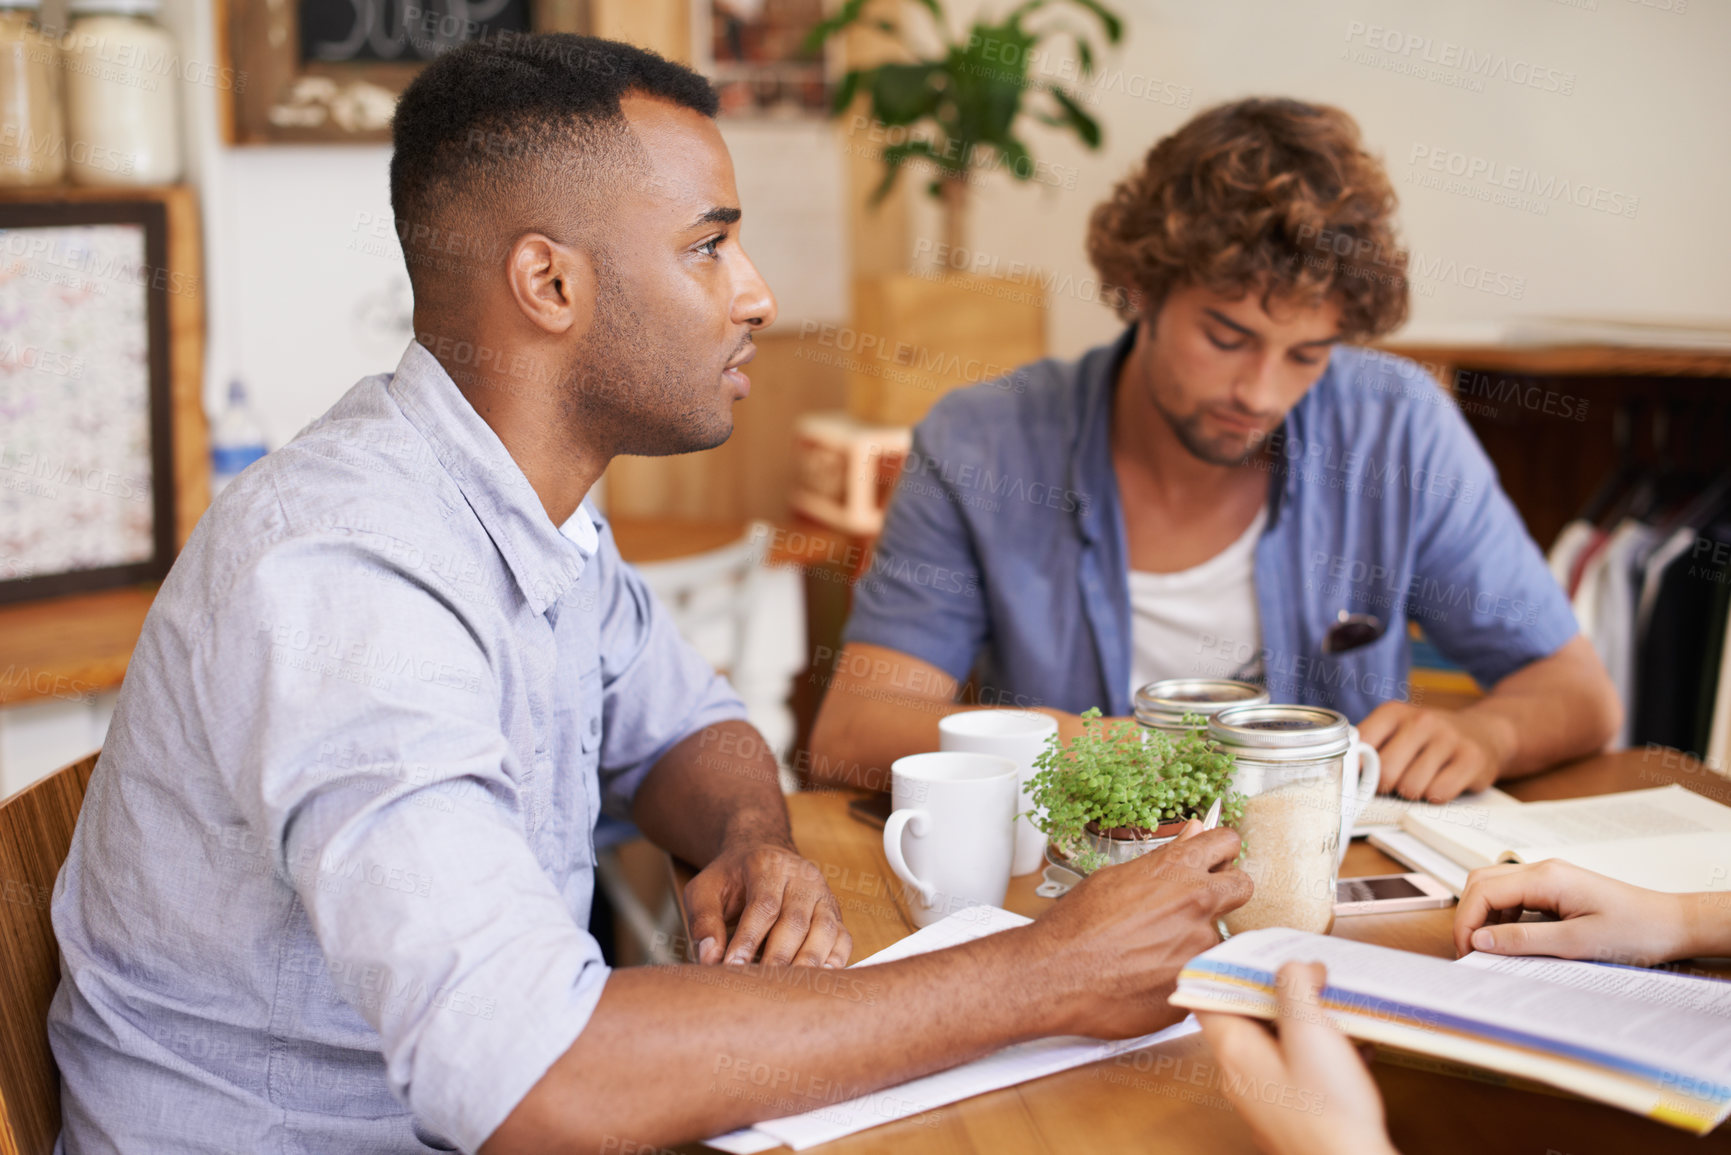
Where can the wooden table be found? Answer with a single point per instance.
(1168, 1099)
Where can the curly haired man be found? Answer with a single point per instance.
(1229, 489)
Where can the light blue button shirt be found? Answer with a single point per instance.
(329, 887)
(1005, 549)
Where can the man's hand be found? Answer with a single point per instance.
(1125, 931)
(1601, 918)
(774, 893)
(1303, 1089)
(1431, 754)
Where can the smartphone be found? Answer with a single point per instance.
(873, 811)
(1390, 894)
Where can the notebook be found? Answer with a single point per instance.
(1652, 1042)
(1667, 838)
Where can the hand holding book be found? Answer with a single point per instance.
(1303, 1089)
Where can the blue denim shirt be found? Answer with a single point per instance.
(1004, 550)
(329, 888)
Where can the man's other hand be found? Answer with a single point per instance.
(782, 904)
(1435, 755)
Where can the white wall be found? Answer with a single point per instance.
(1646, 119)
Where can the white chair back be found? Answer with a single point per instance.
(712, 596)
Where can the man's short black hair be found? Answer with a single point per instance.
(483, 119)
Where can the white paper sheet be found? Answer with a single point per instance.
(1006, 1068)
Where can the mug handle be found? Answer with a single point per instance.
(1356, 796)
(917, 821)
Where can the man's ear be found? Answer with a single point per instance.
(553, 284)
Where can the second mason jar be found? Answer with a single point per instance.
(1298, 809)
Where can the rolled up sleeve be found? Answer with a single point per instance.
(437, 923)
(1481, 589)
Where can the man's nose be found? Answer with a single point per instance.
(754, 304)
(1260, 392)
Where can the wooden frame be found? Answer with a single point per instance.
(277, 98)
(180, 278)
(151, 216)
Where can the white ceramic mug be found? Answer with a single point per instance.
(1359, 775)
(949, 837)
(1020, 736)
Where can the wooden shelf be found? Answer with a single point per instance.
(1571, 360)
(69, 647)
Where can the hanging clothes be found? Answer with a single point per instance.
(1673, 646)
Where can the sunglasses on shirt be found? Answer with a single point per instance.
(1352, 631)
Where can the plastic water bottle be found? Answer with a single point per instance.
(236, 439)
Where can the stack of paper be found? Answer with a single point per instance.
(1650, 1042)
(1006, 1068)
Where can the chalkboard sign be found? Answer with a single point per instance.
(401, 31)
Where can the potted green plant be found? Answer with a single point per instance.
(1118, 791)
(957, 111)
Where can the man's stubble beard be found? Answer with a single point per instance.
(1227, 451)
(633, 389)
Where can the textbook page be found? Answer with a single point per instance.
(1696, 994)
(1006, 1068)
(1673, 863)
(1483, 836)
(1669, 1063)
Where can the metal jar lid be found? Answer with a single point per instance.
(1163, 704)
(1281, 733)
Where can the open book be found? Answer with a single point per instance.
(1666, 838)
(1652, 1042)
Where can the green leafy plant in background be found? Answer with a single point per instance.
(1124, 775)
(960, 110)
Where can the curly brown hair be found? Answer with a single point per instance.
(1268, 194)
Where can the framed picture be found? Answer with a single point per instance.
(87, 473)
(754, 52)
(318, 71)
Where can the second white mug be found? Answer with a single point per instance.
(1020, 736)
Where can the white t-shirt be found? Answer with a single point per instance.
(1201, 622)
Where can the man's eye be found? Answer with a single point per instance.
(707, 248)
(1228, 346)
(1304, 359)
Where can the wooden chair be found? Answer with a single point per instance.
(35, 833)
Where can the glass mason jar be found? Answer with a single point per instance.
(1162, 705)
(32, 144)
(123, 77)
(1298, 809)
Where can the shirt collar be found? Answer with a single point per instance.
(1091, 473)
(546, 560)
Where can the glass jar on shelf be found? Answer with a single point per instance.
(122, 94)
(32, 143)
